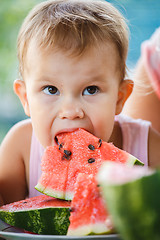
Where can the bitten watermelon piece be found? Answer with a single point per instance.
(76, 152)
(88, 212)
(132, 196)
(42, 215)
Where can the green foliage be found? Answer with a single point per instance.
(12, 13)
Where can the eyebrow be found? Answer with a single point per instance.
(96, 78)
(45, 79)
(88, 78)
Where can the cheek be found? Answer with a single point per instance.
(102, 124)
(104, 111)
(38, 108)
(41, 124)
(42, 132)
(103, 120)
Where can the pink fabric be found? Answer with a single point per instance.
(151, 55)
(35, 165)
(135, 141)
(135, 136)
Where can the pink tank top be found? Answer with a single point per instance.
(135, 141)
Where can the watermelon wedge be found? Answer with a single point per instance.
(42, 215)
(88, 212)
(76, 152)
(132, 196)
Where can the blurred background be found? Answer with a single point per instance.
(143, 19)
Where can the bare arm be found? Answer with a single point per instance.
(14, 162)
(145, 106)
(154, 148)
(143, 102)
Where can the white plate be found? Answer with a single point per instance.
(10, 233)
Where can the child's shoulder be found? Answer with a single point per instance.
(14, 161)
(18, 138)
(21, 131)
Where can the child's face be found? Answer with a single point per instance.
(64, 93)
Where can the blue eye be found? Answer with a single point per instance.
(51, 90)
(91, 90)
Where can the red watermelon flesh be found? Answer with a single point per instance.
(88, 212)
(54, 173)
(76, 152)
(38, 202)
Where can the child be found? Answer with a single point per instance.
(72, 56)
(145, 100)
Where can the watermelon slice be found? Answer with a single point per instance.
(133, 199)
(76, 152)
(42, 215)
(88, 211)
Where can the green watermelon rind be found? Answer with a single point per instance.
(135, 206)
(49, 191)
(133, 161)
(50, 221)
(90, 229)
(69, 195)
(53, 193)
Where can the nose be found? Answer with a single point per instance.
(71, 110)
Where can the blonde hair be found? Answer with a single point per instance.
(74, 25)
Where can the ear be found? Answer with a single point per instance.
(20, 89)
(125, 90)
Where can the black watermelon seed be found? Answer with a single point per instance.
(71, 209)
(99, 143)
(91, 160)
(67, 152)
(98, 185)
(91, 147)
(65, 157)
(24, 202)
(56, 139)
(60, 146)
